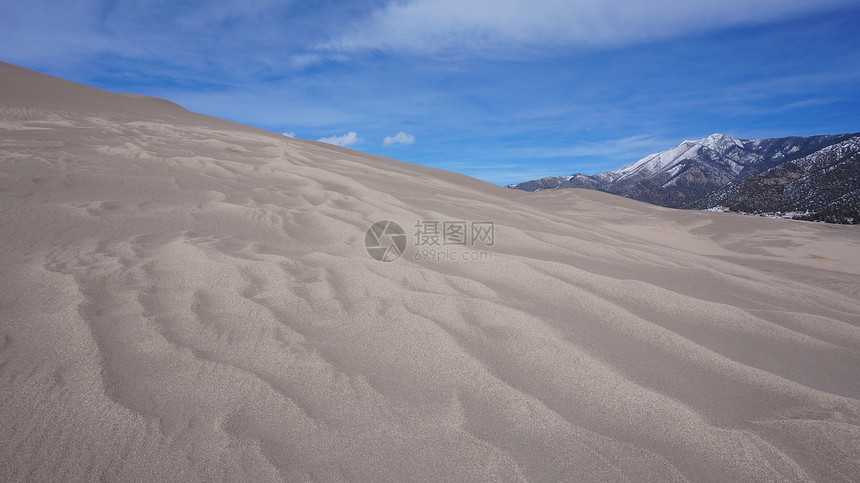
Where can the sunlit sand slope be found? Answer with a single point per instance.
(187, 298)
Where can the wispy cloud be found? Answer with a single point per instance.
(506, 90)
(399, 138)
(347, 139)
(289, 134)
(514, 26)
(207, 36)
(619, 148)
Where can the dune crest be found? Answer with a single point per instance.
(183, 297)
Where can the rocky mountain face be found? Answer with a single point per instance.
(825, 185)
(757, 175)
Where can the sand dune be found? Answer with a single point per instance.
(185, 298)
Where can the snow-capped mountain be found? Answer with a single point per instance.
(824, 185)
(673, 159)
(687, 174)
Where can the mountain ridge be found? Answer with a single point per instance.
(692, 173)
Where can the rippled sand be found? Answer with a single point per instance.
(187, 298)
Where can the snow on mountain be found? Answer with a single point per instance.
(720, 144)
(682, 176)
(655, 163)
(825, 185)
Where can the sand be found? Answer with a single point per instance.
(186, 298)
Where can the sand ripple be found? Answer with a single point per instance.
(187, 298)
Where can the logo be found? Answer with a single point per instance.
(435, 241)
(385, 241)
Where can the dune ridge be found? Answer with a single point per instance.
(183, 297)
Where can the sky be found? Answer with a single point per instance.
(502, 90)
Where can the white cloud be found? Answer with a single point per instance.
(624, 149)
(289, 134)
(464, 27)
(399, 138)
(347, 139)
(305, 60)
(62, 33)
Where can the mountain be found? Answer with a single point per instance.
(825, 183)
(690, 174)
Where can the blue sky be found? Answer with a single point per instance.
(503, 90)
